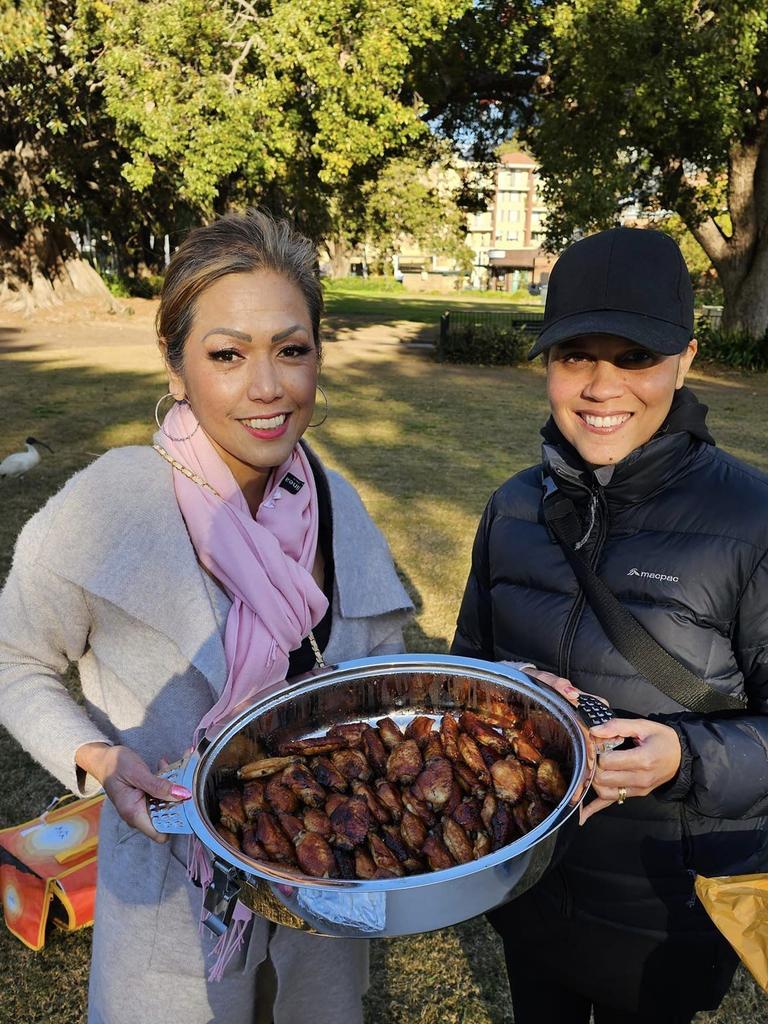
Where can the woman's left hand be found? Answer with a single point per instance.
(622, 774)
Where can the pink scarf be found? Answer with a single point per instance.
(265, 565)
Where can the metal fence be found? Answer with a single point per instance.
(460, 319)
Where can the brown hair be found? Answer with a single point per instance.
(237, 243)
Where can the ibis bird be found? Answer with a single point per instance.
(19, 463)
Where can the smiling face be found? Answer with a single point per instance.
(610, 395)
(250, 372)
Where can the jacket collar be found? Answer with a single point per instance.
(645, 471)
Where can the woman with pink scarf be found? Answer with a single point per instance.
(183, 579)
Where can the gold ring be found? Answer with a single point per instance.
(622, 795)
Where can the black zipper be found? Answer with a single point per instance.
(574, 617)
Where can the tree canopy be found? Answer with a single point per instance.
(661, 103)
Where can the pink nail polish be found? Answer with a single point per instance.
(180, 792)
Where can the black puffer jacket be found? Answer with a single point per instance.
(679, 531)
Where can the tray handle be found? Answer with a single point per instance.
(167, 816)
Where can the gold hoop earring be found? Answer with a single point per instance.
(325, 414)
(159, 424)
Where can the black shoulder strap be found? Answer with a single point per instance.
(627, 635)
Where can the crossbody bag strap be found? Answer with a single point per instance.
(627, 635)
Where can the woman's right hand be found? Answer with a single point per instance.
(127, 781)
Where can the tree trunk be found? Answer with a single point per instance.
(43, 269)
(339, 255)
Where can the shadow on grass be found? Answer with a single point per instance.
(388, 309)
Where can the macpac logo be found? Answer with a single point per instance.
(653, 576)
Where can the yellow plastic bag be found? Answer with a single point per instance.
(738, 905)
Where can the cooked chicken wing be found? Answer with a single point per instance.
(254, 798)
(468, 781)
(315, 856)
(436, 852)
(378, 810)
(457, 841)
(231, 810)
(280, 797)
(419, 807)
(327, 774)
(299, 779)
(312, 746)
(449, 734)
(483, 734)
(435, 783)
(404, 762)
(419, 729)
(345, 863)
(508, 779)
(227, 836)
(352, 764)
(291, 825)
(414, 831)
(390, 797)
(482, 845)
(374, 750)
(251, 847)
(390, 732)
(393, 839)
(351, 822)
(350, 732)
(275, 842)
(472, 757)
(318, 821)
(550, 780)
(266, 766)
(502, 827)
(467, 814)
(364, 866)
(383, 857)
(433, 748)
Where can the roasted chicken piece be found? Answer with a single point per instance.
(454, 799)
(328, 775)
(266, 766)
(315, 856)
(490, 757)
(378, 811)
(351, 822)
(312, 746)
(404, 762)
(350, 732)
(345, 863)
(482, 845)
(467, 814)
(231, 810)
(419, 807)
(251, 847)
(318, 821)
(520, 816)
(483, 734)
(508, 779)
(537, 811)
(334, 800)
(449, 734)
(468, 781)
(414, 866)
(487, 810)
(433, 748)
(529, 729)
(390, 797)
(299, 779)
(352, 764)
(275, 842)
(436, 852)
(383, 857)
(414, 831)
(435, 783)
(472, 758)
(457, 841)
(364, 866)
(291, 825)
(254, 798)
(380, 873)
(420, 729)
(374, 750)
(393, 839)
(522, 747)
(281, 799)
(498, 712)
(550, 781)
(227, 836)
(530, 779)
(502, 827)
(390, 732)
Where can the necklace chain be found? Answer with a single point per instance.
(187, 472)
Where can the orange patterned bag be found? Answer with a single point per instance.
(51, 860)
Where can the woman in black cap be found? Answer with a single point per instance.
(632, 510)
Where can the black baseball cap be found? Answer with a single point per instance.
(631, 282)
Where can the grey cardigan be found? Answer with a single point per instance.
(105, 576)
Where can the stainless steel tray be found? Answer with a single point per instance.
(401, 686)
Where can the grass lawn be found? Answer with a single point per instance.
(389, 302)
(425, 445)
